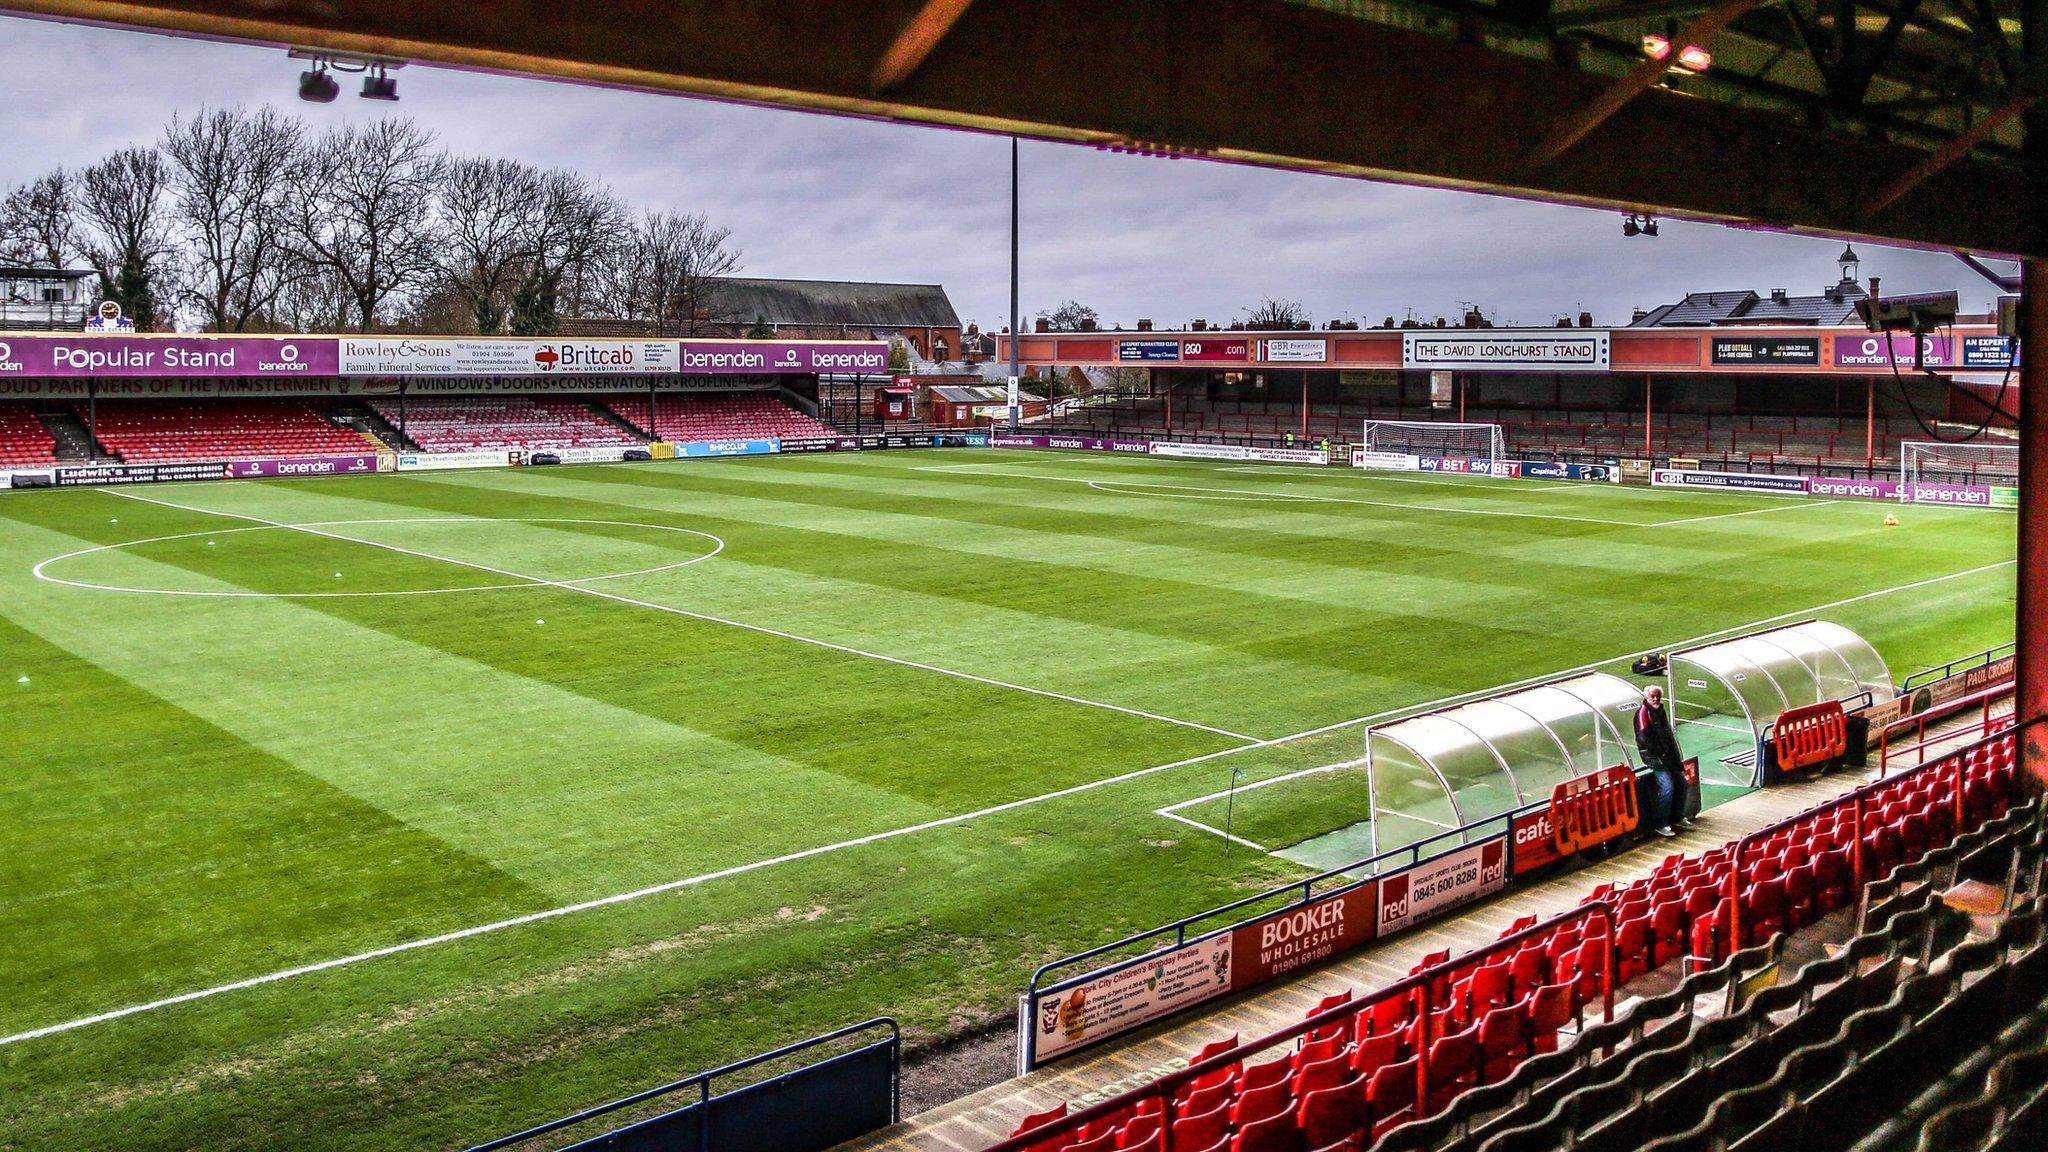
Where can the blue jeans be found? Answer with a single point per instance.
(1669, 804)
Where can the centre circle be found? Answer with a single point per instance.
(514, 580)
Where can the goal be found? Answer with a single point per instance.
(1438, 438)
(1959, 462)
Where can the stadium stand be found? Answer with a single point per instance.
(24, 442)
(1871, 969)
(160, 431)
(1739, 440)
(682, 419)
(467, 423)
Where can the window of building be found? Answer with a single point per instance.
(939, 348)
(53, 295)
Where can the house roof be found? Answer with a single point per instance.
(1834, 305)
(21, 272)
(853, 303)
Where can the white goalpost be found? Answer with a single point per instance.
(1400, 443)
(1960, 462)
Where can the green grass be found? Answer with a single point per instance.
(201, 789)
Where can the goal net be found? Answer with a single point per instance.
(1442, 439)
(1964, 462)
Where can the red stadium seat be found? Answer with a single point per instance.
(1273, 1134)
(1332, 1117)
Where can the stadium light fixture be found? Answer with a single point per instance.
(380, 86)
(316, 86)
(1639, 224)
(1656, 47)
(1629, 227)
(1695, 59)
(1649, 225)
(1689, 58)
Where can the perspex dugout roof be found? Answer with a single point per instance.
(1456, 767)
(1751, 680)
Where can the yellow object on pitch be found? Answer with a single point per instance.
(1891, 520)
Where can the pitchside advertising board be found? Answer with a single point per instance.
(1087, 1010)
(1110, 1002)
(1498, 350)
(1240, 452)
(1297, 350)
(1727, 481)
(381, 356)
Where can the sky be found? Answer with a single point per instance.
(818, 197)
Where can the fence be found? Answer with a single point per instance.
(808, 1109)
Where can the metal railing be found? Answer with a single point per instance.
(703, 1082)
(1959, 666)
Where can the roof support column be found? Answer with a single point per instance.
(2031, 631)
(2030, 703)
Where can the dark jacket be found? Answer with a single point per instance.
(1655, 739)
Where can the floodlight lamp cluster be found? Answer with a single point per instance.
(317, 84)
(1639, 224)
(1690, 59)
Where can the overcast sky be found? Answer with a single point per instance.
(820, 197)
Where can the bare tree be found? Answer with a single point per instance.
(487, 210)
(1273, 314)
(39, 222)
(663, 272)
(1070, 316)
(127, 237)
(228, 178)
(360, 209)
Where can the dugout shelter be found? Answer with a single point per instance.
(1725, 696)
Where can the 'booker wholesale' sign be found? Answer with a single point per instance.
(424, 356)
(1217, 348)
(1540, 350)
(1299, 350)
(1769, 350)
(167, 356)
(1435, 886)
(1274, 946)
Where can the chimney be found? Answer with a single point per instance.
(1144, 325)
(1199, 326)
(1043, 325)
(1779, 295)
(1087, 325)
(1585, 319)
(1638, 316)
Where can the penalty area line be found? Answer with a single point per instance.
(574, 586)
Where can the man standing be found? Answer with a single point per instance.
(1659, 747)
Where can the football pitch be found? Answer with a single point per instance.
(406, 810)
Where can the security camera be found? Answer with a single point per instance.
(1920, 312)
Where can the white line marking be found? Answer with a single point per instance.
(1254, 786)
(765, 631)
(39, 573)
(877, 837)
(1253, 845)
(1748, 512)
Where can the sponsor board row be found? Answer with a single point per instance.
(93, 475)
(1240, 452)
(1507, 469)
(1913, 492)
(290, 357)
(1089, 1009)
(1933, 698)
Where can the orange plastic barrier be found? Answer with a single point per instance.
(1814, 734)
(1593, 809)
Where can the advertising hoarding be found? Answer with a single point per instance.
(1860, 489)
(1957, 495)
(434, 356)
(270, 357)
(1082, 443)
(1148, 349)
(705, 448)
(1296, 350)
(304, 466)
(1727, 481)
(1766, 350)
(1386, 461)
(1435, 886)
(1240, 452)
(1504, 350)
(1894, 349)
(435, 461)
(1121, 999)
(1216, 348)
(1273, 946)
